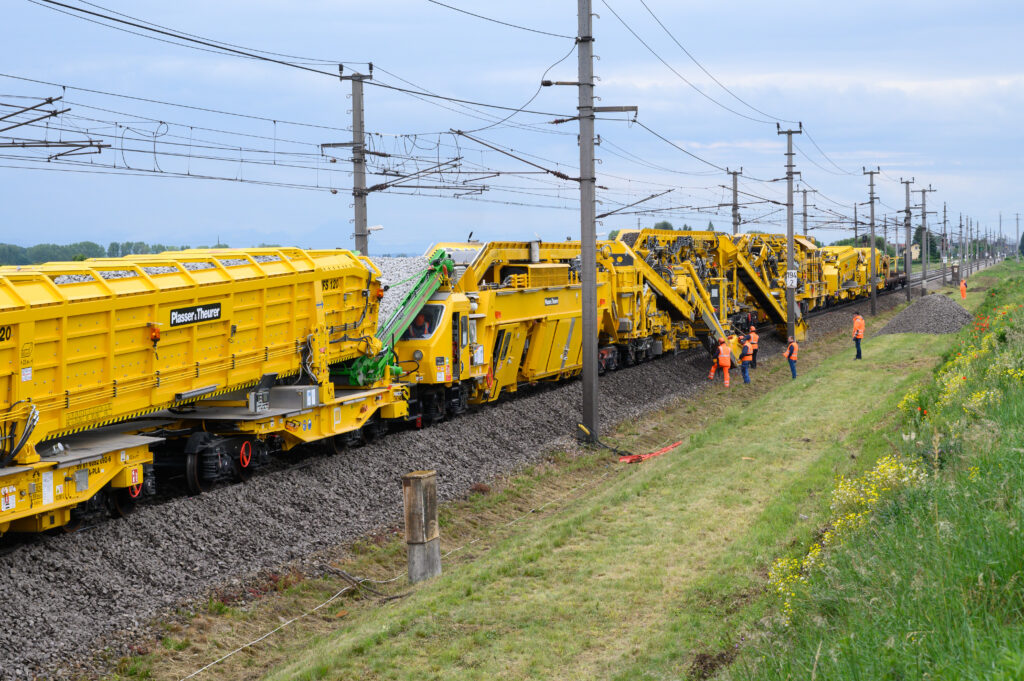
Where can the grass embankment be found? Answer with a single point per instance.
(931, 583)
(651, 572)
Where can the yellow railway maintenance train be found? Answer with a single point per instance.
(203, 363)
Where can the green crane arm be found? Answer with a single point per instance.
(370, 369)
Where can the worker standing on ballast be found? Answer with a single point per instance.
(963, 289)
(746, 356)
(723, 359)
(754, 338)
(791, 352)
(858, 332)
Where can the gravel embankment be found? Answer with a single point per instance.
(69, 595)
(933, 313)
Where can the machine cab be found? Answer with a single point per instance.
(437, 346)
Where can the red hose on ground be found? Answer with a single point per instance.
(637, 458)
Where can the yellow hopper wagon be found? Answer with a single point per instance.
(208, 359)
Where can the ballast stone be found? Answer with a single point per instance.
(400, 275)
(933, 313)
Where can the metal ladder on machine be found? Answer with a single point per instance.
(368, 370)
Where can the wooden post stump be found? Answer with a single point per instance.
(422, 538)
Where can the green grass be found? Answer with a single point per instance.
(932, 587)
(652, 574)
(653, 571)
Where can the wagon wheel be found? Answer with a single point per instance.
(74, 523)
(122, 501)
(193, 474)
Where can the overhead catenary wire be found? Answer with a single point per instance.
(275, 121)
(194, 145)
(193, 107)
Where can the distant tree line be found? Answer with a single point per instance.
(11, 254)
(864, 241)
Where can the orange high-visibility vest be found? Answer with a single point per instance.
(753, 340)
(748, 352)
(724, 355)
(792, 350)
(858, 327)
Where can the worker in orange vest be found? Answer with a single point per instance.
(753, 343)
(963, 289)
(746, 355)
(858, 332)
(791, 352)
(722, 359)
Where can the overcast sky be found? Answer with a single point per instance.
(933, 91)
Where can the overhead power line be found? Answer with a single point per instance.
(226, 48)
(733, 94)
(816, 164)
(709, 74)
(503, 23)
(826, 156)
(679, 75)
(685, 151)
(330, 62)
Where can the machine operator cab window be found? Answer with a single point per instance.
(424, 323)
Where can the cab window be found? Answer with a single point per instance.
(424, 323)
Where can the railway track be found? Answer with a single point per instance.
(914, 282)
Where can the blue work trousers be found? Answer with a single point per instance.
(857, 343)
(745, 370)
(792, 367)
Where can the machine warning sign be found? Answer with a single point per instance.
(195, 314)
(8, 498)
